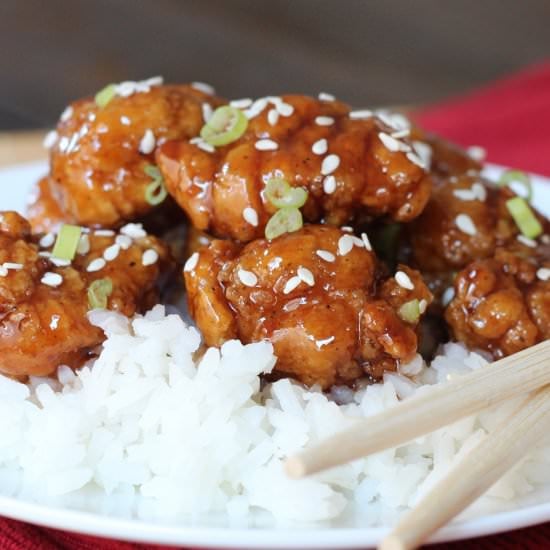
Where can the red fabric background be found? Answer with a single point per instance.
(511, 119)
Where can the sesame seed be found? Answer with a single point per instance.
(358, 242)
(147, 143)
(347, 228)
(51, 279)
(133, 230)
(330, 164)
(543, 274)
(284, 109)
(480, 191)
(527, 241)
(243, 103)
(207, 111)
(403, 280)
(111, 252)
(96, 265)
(43, 254)
(465, 224)
(325, 342)
(477, 152)
(149, 257)
(66, 114)
(325, 255)
(47, 240)
(392, 144)
(50, 139)
(416, 159)
(345, 244)
(104, 233)
(3, 271)
(250, 216)
(266, 145)
(291, 284)
(205, 146)
(306, 276)
(447, 296)
(54, 320)
(424, 152)
(83, 245)
(12, 265)
(329, 185)
(123, 241)
(366, 241)
(125, 120)
(422, 305)
(361, 115)
(63, 143)
(256, 108)
(323, 96)
(396, 121)
(154, 81)
(203, 87)
(191, 262)
(247, 278)
(400, 133)
(273, 116)
(72, 143)
(464, 194)
(320, 147)
(324, 121)
(59, 262)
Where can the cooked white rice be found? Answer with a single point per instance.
(147, 432)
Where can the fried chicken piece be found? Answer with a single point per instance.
(43, 306)
(97, 162)
(502, 304)
(348, 162)
(316, 294)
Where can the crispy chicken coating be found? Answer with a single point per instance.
(348, 162)
(316, 294)
(502, 304)
(43, 306)
(97, 162)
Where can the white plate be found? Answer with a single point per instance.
(15, 183)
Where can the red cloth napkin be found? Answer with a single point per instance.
(511, 119)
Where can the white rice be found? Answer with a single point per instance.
(147, 432)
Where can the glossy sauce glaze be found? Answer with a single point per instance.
(317, 294)
(44, 301)
(350, 162)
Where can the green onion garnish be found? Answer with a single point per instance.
(285, 220)
(524, 217)
(410, 311)
(67, 242)
(227, 124)
(279, 193)
(99, 292)
(105, 95)
(155, 192)
(512, 176)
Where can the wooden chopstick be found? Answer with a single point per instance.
(435, 407)
(485, 464)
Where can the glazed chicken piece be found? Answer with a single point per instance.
(100, 153)
(316, 294)
(44, 301)
(465, 219)
(502, 304)
(347, 161)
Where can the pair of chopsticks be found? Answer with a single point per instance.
(525, 373)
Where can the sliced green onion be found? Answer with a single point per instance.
(152, 171)
(279, 193)
(513, 176)
(155, 192)
(410, 311)
(105, 95)
(99, 292)
(285, 220)
(524, 217)
(67, 242)
(227, 124)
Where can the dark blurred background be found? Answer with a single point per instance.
(393, 52)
